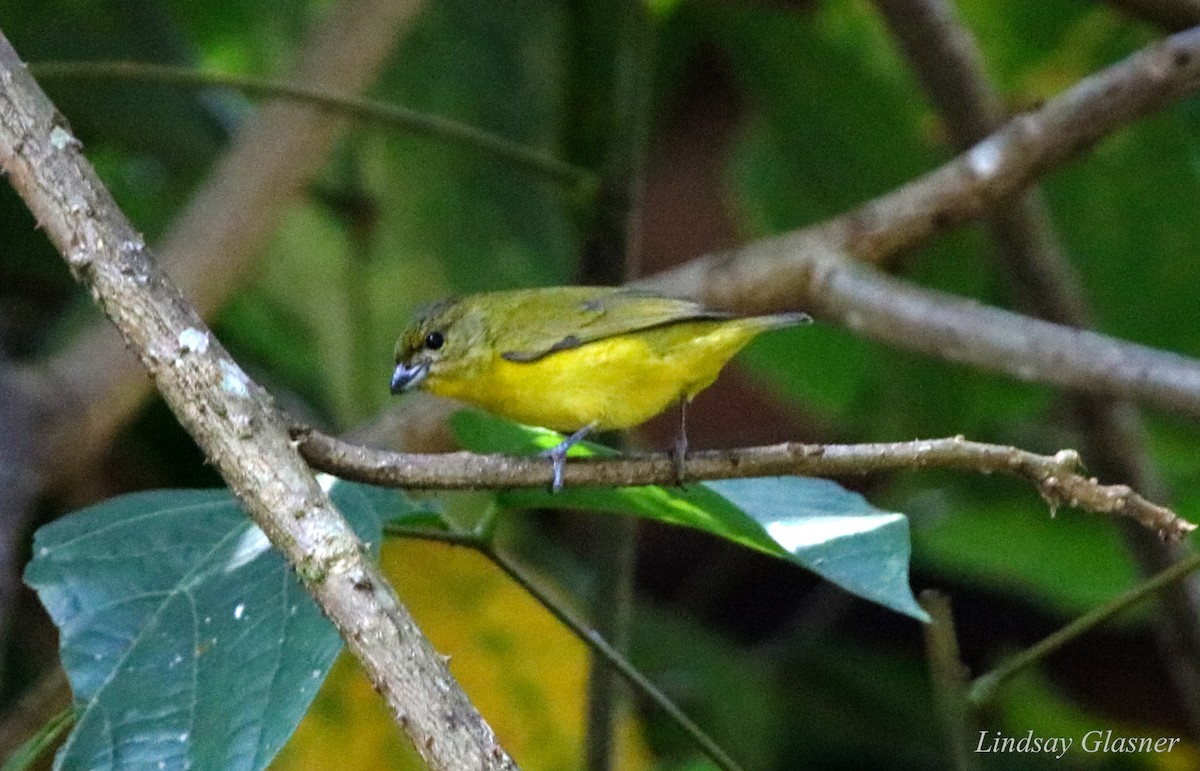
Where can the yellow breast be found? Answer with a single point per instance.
(613, 383)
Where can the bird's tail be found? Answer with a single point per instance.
(780, 320)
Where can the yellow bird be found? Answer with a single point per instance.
(573, 359)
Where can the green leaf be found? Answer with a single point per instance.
(833, 532)
(817, 144)
(25, 756)
(464, 205)
(813, 522)
(187, 640)
(1065, 564)
(721, 684)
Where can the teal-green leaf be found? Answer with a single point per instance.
(1063, 565)
(833, 532)
(188, 642)
(815, 523)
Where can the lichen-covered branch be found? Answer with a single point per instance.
(235, 423)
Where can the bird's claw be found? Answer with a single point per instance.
(558, 458)
(679, 458)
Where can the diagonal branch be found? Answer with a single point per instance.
(769, 273)
(812, 268)
(950, 66)
(772, 273)
(235, 423)
(1023, 149)
(947, 62)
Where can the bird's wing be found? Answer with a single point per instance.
(587, 316)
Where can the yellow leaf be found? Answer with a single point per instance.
(522, 669)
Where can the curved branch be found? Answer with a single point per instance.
(951, 68)
(1023, 149)
(813, 267)
(892, 311)
(236, 425)
(1056, 477)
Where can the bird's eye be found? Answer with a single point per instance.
(434, 340)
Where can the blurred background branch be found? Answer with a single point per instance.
(949, 65)
(216, 240)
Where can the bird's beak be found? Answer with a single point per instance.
(408, 376)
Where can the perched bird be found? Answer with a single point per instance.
(573, 359)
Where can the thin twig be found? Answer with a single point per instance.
(949, 680)
(985, 687)
(1056, 477)
(612, 254)
(234, 422)
(393, 116)
(579, 627)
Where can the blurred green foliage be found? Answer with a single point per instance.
(825, 116)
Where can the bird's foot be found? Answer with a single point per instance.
(558, 456)
(679, 458)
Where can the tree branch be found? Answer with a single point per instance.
(985, 686)
(813, 267)
(949, 681)
(936, 323)
(804, 268)
(615, 42)
(538, 162)
(1023, 149)
(951, 70)
(949, 65)
(235, 423)
(1056, 477)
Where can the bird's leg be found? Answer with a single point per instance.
(679, 453)
(558, 454)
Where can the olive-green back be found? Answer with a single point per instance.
(538, 322)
